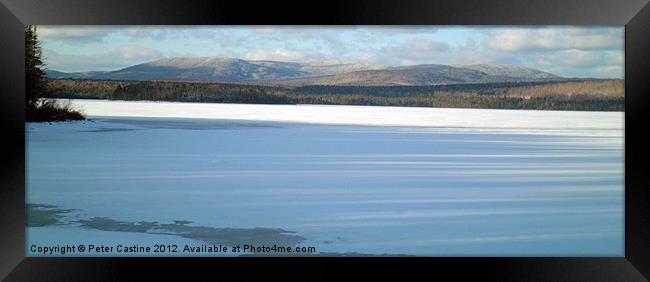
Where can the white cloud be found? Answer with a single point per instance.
(282, 54)
(577, 63)
(158, 33)
(83, 34)
(138, 53)
(526, 39)
(266, 29)
(402, 29)
(580, 58)
(112, 60)
(413, 52)
(426, 46)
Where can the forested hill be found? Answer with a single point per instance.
(234, 70)
(578, 95)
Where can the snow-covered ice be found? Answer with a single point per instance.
(365, 115)
(374, 180)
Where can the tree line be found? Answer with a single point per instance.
(586, 95)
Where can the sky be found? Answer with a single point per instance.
(570, 51)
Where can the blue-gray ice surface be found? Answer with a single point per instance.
(345, 188)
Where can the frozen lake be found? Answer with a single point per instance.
(371, 180)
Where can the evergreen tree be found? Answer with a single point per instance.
(36, 86)
(36, 83)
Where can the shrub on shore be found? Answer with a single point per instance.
(53, 110)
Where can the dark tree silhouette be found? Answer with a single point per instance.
(38, 106)
(36, 84)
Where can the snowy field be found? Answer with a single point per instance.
(370, 180)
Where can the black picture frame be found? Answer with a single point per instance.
(634, 15)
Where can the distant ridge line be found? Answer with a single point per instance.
(332, 73)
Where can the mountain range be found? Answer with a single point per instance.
(232, 70)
